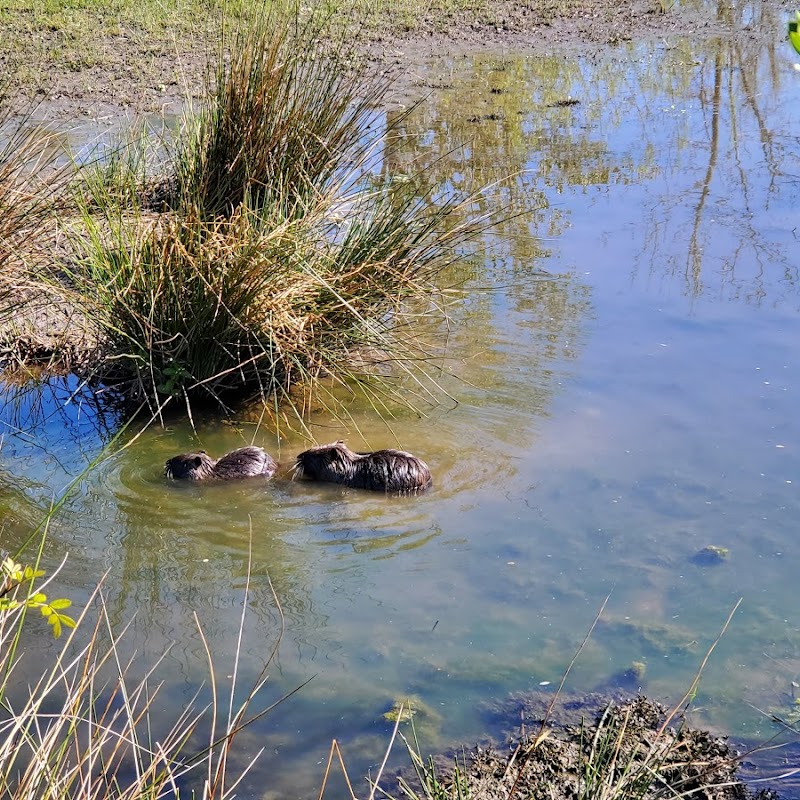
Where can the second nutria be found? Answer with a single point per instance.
(383, 470)
(246, 462)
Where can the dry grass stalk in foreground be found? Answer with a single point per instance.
(84, 728)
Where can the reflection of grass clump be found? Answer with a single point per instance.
(276, 251)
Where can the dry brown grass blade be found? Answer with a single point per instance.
(389, 747)
(84, 729)
(571, 664)
(335, 749)
(692, 690)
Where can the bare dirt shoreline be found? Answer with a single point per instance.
(146, 76)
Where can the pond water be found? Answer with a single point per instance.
(625, 364)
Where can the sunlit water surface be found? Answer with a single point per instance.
(626, 370)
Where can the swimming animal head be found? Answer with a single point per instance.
(190, 466)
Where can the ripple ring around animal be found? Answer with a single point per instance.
(390, 471)
(246, 462)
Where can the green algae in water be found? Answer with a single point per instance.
(412, 709)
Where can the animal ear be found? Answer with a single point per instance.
(197, 460)
(204, 452)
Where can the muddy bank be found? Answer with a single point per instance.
(626, 748)
(135, 72)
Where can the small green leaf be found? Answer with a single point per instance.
(32, 573)
(12, 575)
(12, 569)
(68, 621)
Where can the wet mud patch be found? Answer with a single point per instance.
(131, 70)
(627, 748)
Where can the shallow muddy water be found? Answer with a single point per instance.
(625, 363)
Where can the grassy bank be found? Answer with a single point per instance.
(80, 35)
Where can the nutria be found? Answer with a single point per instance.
(246, 462)
(383, 471)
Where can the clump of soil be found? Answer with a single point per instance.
(627, 748)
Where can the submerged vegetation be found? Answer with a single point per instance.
(586, 747)
(88, 726)
(266, 248)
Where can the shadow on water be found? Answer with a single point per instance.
(623, 362)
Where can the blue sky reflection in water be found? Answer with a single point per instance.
(626, 366)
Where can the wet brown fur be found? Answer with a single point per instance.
(391, 471)
(246, 462)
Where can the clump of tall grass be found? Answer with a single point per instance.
(281, 247)
(26, 153)
(252, 303)
(288, 106)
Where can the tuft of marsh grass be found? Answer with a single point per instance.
(28, 183)
(272, 246)
(285, 108)
(252, 304)
(431, 783)
(32, 179)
